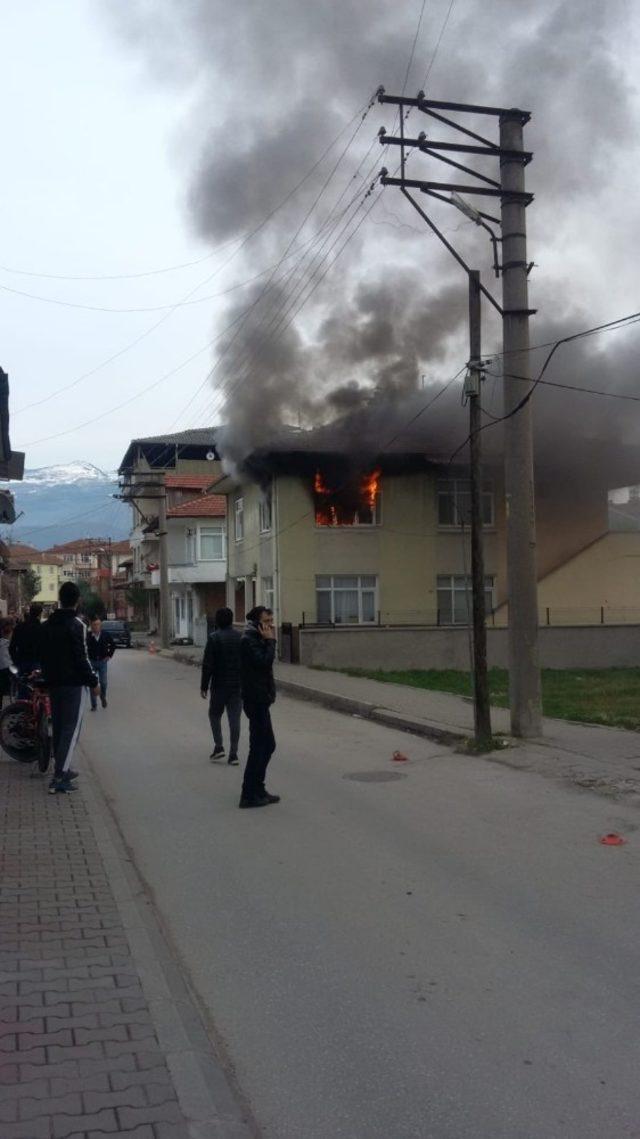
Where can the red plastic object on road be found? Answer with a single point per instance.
(612, 840)
(398, 757)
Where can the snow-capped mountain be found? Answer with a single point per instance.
(65, 473)
(67, 501)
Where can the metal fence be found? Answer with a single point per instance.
(429, 619)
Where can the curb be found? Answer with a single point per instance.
(208, 1098)
(351, 707)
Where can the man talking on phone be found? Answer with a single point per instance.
(258, 650)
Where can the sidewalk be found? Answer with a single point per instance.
(605, 760)
(98, 1033)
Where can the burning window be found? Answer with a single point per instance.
(347, 499)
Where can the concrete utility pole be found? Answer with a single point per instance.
(481, 708)
(524, 669)
(165, 614)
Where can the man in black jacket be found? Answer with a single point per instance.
(221, 671)
(100, 647)
(258, 649)
(67, 672)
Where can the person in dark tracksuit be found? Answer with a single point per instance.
(221, 673)
(66, 671)
(258, 650)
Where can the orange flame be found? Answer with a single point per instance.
(370, 487)
(336, 513)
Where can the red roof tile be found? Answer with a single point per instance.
(188, 482)
(208, 506)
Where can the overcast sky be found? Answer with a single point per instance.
(146, 134)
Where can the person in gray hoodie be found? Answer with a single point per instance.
(221, 674)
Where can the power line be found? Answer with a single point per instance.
(413, 47)
(230, 386)
(437, 47)
(118, 276)
(86, 375)
(612, 325)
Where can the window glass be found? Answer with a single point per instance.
(211, 544)
(346, 599)
(239, 519)
(264, 511)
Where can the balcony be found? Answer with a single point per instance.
(191, 573)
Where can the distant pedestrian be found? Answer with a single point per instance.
(5, 661)
(101, 647)
(221, 674)
(25, 645)
(258, 694)
(67, 672)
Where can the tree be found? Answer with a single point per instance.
(30, 585)
(137, 597)
(91, 603)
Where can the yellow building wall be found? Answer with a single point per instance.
(49, 583)
(606, 574)
(406, 551)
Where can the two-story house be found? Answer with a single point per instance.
(180, 466)
(345, 538)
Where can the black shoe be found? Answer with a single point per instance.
(103, 701)
(218, 753)
(94, 707)
(60, 787)
(271, 798)
(70, 774)
(232, 760)
(253, 801)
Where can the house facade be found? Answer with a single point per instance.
(87, 560)
(401, 557)
(197, 565)
(397, 554)
(182, 467)
(47, 567)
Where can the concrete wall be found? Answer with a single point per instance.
(361, 647)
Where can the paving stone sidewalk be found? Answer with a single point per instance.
(80, 1048)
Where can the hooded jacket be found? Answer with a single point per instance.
(257, 657)
(63, 651)
(221, 661)
(25, 643)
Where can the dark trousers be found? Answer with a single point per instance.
(231, 700)
(99, 667)
(67, 707)
(262, 745)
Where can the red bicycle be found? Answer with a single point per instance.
(26, 732)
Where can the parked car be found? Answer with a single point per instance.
(120, 631)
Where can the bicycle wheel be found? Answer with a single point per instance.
(17, 732)
(45, 742)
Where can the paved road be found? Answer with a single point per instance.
(446, 954)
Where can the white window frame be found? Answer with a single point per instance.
(358, 579)
(191, 545)
(265, 513)
(459, 489)
(238, 515)
(218, 530)
(456, 585)
(267, 592)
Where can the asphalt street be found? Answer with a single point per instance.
(435, 950)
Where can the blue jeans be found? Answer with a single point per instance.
(100, 666)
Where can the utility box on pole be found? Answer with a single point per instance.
(524, 669)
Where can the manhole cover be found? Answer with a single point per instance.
(375, 776)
